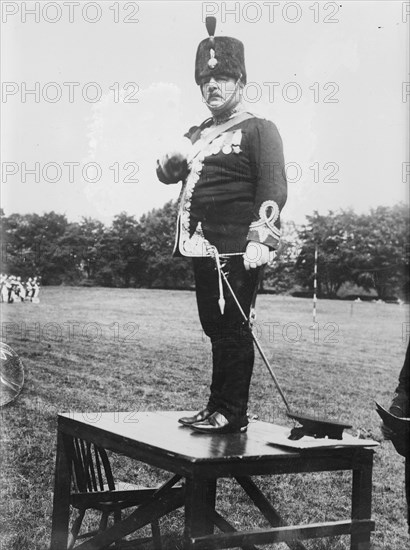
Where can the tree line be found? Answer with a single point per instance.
(368, 250)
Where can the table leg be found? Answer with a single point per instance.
(210, 505)
(200, 495)
(362, 501)
(61, 501)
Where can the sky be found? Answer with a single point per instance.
(114, 88)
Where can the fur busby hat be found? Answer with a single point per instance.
(219, 55)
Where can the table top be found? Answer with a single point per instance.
(160, 432)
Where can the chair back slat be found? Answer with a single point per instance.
(91, 468)
(85, 465)
(79, 475)
(98, 468)
(107, 469)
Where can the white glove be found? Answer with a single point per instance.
(175, 156)
(257, 254)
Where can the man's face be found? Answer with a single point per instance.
(216, 91)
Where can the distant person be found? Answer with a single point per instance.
(21, 290)
(10, 284)
(36, 290)
(3, 288)
(17, 286)
(29, 288)
(400, 406)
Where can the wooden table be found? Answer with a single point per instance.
(156, 438)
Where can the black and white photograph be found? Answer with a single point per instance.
(205, 275)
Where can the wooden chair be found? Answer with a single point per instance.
(94, 488)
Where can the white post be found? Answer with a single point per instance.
(315, 287)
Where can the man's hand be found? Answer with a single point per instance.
(173, 165)
(174, 162)
(256, 254)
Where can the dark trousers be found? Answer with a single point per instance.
(231, 339)
(407, 485)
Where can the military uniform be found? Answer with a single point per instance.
(234, 188)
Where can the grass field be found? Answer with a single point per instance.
(123, 349)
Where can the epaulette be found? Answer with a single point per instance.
(190, 132)
(194, 129)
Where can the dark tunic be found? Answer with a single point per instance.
(238, 189)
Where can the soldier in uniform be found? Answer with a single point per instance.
(36, 290)
(29, 288)
(3, 288)
(234, 187)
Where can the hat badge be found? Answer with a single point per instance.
(212, 61)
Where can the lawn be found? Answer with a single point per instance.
(124, 349)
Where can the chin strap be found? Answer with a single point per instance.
(226, 104)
